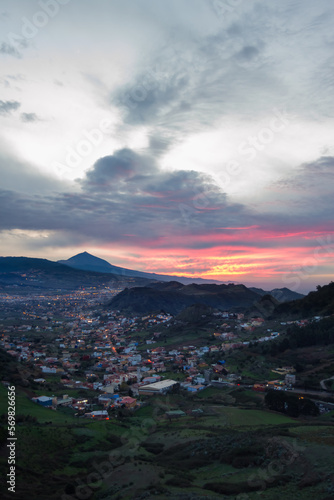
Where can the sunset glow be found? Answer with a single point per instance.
(168, 138)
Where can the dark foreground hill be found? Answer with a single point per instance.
(24, 274)
(263, 308)
(174, 297)
(318, 303)
(280, 294)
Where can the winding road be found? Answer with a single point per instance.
(322, 383)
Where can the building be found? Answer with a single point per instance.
(43, 400)
(195, 388)
(175, 414)
(290, 379)
(128, 402)
(64, 401)
(98, 415)
(259, 387)
(157, 388)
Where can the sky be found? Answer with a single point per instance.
(186, 137)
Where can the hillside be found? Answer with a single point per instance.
(175, 297)
(263, 308)
(318, 303)
(280, 294)
(27, 274)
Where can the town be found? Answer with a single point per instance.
(116, 361)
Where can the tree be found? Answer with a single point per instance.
(275, 400)
(124, 387)
(308, 407)
(284, 345)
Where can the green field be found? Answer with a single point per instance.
(220, 454)
(237, 417)
(24, 406)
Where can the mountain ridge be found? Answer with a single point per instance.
(87, 262)
(319, 302)
(156, 298)
(281, 294)
(31, 274)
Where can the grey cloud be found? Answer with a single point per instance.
(23, 177)
(12, 81)
(123, 194)
(17, 77)
(7, 107)
(29, 117)
(186, 94)
(123, 165)
(245, 67)
(308, 192)
(314, 178)
(150, 96)
(14, 50)
(127, 194)
(248, 52)
(252, 60)
(159, 144)
(126, 173)
(10, 50)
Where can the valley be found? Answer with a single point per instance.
(199, 402)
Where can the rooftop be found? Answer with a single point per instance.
(160, 385)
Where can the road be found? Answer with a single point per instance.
(296, 391)
(322, 383)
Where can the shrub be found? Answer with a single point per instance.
(180, 482)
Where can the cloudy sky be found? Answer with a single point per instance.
(191, 137)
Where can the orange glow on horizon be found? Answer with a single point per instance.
(249, 254)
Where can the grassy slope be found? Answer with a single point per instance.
(52, 456)
(65, 450)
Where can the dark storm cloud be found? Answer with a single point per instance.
(127, 173)
(7, 107)
(127, 194)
